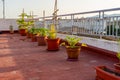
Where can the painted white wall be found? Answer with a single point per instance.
(5, 23)
(100, 43)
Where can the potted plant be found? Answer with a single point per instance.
(33, 31)
(72, 49)
(52, 40)
(42, 36)
(29, 35)
(24, 23)
(105, 73)
(117, 65)
(30, 23)
(11, 29)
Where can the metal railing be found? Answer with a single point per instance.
(95, 23)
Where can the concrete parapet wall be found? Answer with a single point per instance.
(5, 23)
(100, 43)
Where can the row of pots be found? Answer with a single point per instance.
(53, 45)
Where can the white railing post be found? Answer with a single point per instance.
(102, 33)
(72, 23)
(117, 26)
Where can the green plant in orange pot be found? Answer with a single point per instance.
(52, 40)
(42, 36)
(22, 23)
(72, 49)
(33, 31)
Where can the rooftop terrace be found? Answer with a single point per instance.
(21, 59)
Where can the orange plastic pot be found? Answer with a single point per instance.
(53, 44)
(73, 53)
(41, 40)
(105, 73)
(29, 35)
(33, 38)
(22, 32)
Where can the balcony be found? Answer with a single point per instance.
(25, 60)
(22, 59)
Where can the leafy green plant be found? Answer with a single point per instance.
(52, 32)
(21, 22)
(72, 41)
(24, 22)
(42, 32)
(34, 30)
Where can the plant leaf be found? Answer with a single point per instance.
(83, 44)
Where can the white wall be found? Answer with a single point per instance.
(5, 23)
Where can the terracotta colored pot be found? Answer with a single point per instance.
(29, 35)
(53, 44)
(22, 32)
(11, 31)
(105, 73)
(34, 38)
(117, 66)
(41, 40)
(73, 53)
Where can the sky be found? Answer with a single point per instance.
(14, 7)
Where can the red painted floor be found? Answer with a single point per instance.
(21, 59)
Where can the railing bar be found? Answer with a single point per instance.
(113, 26)
(109, 26)
(105, 26)
(105, 10)
(116, 26)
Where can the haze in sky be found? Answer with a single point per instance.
(14, 7)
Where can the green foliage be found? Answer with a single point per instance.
(52, 35)
(23, 15)
(33, 30)
(23, 21)
(72, 41)
(42, 32)
(52, 32)
(118, 55)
